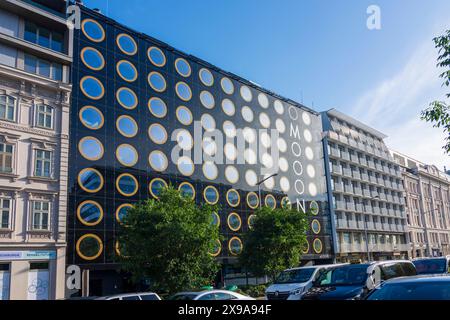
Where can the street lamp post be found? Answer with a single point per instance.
(366, 235)
(259, 186)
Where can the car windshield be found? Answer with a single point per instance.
(295, 276)
(430, 266)
(184, 296)
(352, 275)
(413, 291)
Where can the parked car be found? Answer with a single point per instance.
(431, 287)
(355, 281)
(210, 295)
(132, 296)
(292, 283)
(435, 265)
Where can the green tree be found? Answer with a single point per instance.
(275, 242)
(168, 241)
(438, 112)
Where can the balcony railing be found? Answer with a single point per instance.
(347, 172)
(363, 162)
(357, 191)
(338, 187)
(336, 169)
(356, 175)
(345, 155)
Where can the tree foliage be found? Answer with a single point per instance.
(168, 242)
(438, 112)
(275, 241)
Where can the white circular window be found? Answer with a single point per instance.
(251, 178)
(183, 67)
(227, 85)
(229, 129)
(230, 151)
(263, 100)
(309, 153)
(247, 114)
(184, 115)
(269, 183)
(265, 140)
(231, 174)
(185, 166)
(210, 170)
(250, 156)
(267, 160)
(127, 155)
(307, 135)
(183, 91)
(158, 160)
(283, 164)
(312, 188)
(281, 144)
(264, 120)
(306, 118)
(209, 146)
(284, 184)
(249, 134)
(206, 77)
(208, 122)
(246, 93)
(310, 171)
(185, 140)
(157, 133)
(278, 106)
(281, 127)
(228, 107)
(207, 99)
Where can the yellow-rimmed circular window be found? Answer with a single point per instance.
(210, 170)
(227, 85)
(127, 155)
(126, 44)
(92, 58)
(211, 195)
(206, 77)
(235, 246)
(90, 180)
(183, 91)
(127, 184)
(89, 246)
(234, 221)
(246, 93)
(185, 165)
(250, 220)
(183, 68)
(184, 115)
(184, 139)
(315, 226)
(127, 98)
(207, 99)
(91, 148)
(305, 249)
(314, 208)
(215, 219)
(157, 107)
(187, 190)
(157, 81)
(317, 245)
(216, 249)
(126, 70)
(156, 56)
(92, 87)
(158, 160)
(122, 211)
(252, 200)
(127, 126)
(93, 30)
(91, 117)
(156, 186)
(90, 213)
(228, 107)
(233, 198)
(286, 203)
(270, 201)
(157, 133)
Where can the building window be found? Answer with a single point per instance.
(7, 108)
(5, 209)
(43, 163)
(44, 116)
(6, 157)
(43, 67)
(44, 37)
(41, 215)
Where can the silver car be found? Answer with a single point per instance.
(132, 296)
(210, 295)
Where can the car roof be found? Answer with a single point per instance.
(129, 295)
(431, 258)
(317, 266)
(420, 279)
(204, 291)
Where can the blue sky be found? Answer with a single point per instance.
(316, 52)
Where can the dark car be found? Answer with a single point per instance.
(432, 287)
(438, 265)
(355, 281)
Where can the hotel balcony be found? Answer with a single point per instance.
(348, 189)
(357, 191)
(340, 205)
(366, 193)
(363, 162)
(338, 187)
(350, 207)
(345, 155)
(336, 170)
(347, 172)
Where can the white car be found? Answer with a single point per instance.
(291, 284)
(132, 296)
(210, 295)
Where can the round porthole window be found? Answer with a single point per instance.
(93, 30)
(207, 99)
(127, 126)
(317, 245)
(227, 85)
(284, 184)
(230, 151)
(286, 203)
(246, 93)
(185, 166)
(183, 68)
(247, 114)
(234, 221)
(233, 198)
(270, 201)
(206, 77)
(126, 44)
(263, 100)
(281, 127)
(235, 246)
(156, 56)
(215, 219)
(266, 140)
(184, 139)
(127, 185)
(158, 160)
(122, 211)
(90, 213)
(228, 107)
(249, 134)
(157, 133)
(127, 155)
(209, 146)
(231, 174)
(269, 183)
(251, 178)
(252, 200)
(229, 129)
(127, 98)
(211, 195)
(217, 247)
(251, 221)
(92, 58)
(250, 156)
(314, 208)
(283, 164)
(264, 120)
(156, 186)
(91, 148)
(157, 81)
(183, 91)
(92, 87)
(126, 70)
(210, 170)
(91, 117)
(281, 144)
(208, 122)
(90, 180)
(89, 247)
(278, 106)
(157, 107)
(315, 226)
(187, 190)
(184, 115)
